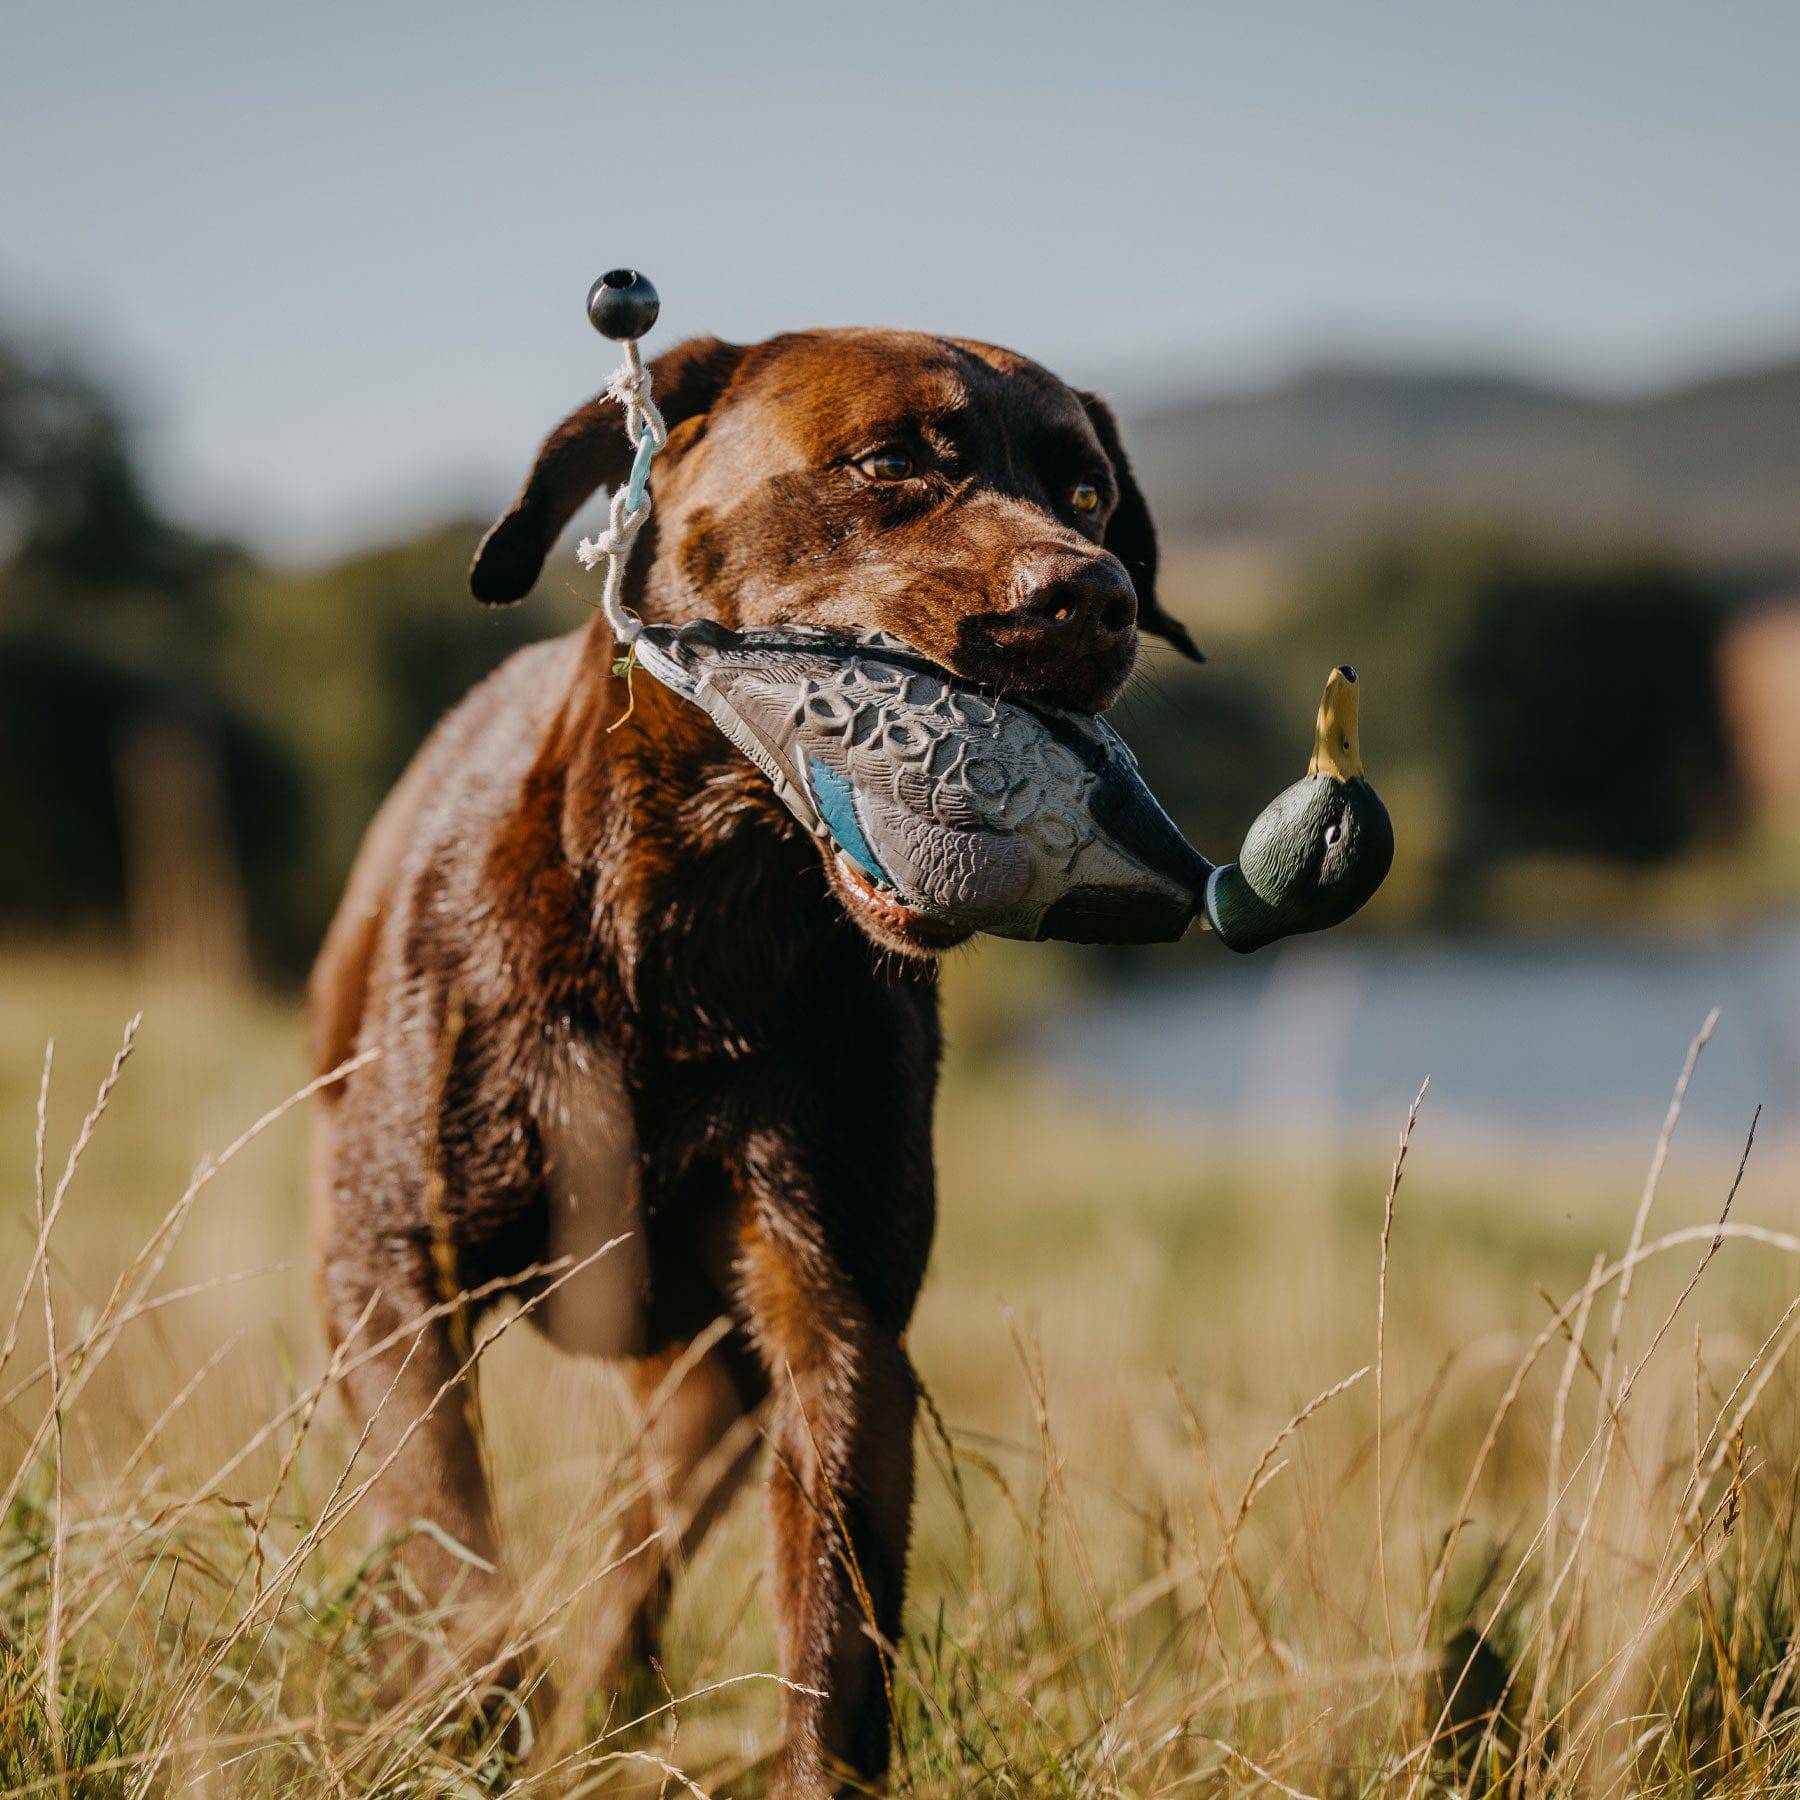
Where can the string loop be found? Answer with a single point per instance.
(630, 385)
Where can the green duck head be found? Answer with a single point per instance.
(1317, 851)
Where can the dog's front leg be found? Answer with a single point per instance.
(840, 1489)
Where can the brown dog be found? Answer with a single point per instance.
(614, 988)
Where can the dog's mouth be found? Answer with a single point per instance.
(887, 919)
(1084, 682)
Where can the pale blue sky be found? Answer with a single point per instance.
(338, 250)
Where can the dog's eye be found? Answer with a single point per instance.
(1085, 498)
(891, 464)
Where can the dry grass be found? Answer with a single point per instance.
(1240, 1476)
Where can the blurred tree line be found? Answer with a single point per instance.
(296, 695)
(1525, 699)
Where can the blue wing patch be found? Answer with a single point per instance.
(836, 802)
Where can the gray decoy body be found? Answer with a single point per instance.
(990, 814)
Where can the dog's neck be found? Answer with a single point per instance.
(689, 893)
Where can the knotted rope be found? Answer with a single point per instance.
(630, 385)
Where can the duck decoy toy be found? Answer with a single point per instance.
(983, 812)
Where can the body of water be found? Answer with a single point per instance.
(1566, 1042)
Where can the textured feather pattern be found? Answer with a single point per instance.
(981, 812)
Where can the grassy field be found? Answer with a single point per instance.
(1245, 1472)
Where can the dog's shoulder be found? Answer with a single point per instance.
(467, 774)
(453, 795)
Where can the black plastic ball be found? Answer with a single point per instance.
(623, 304)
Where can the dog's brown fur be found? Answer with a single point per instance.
(608, 979)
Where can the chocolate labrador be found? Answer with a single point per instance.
(613, 990)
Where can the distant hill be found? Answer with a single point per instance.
(1711, 465)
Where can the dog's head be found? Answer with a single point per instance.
(951, 493)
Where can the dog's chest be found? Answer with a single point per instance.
(591, 1172)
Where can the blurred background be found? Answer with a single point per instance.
(1462, 343)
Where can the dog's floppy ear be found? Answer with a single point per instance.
(588, 450)
(1131, 537)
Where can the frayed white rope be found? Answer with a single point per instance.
(630, 385)
(613, 547)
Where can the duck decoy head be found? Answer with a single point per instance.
(1318, 851)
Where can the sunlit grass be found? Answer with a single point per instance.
(1216, 1498)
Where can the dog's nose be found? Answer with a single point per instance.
(1084, 601)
